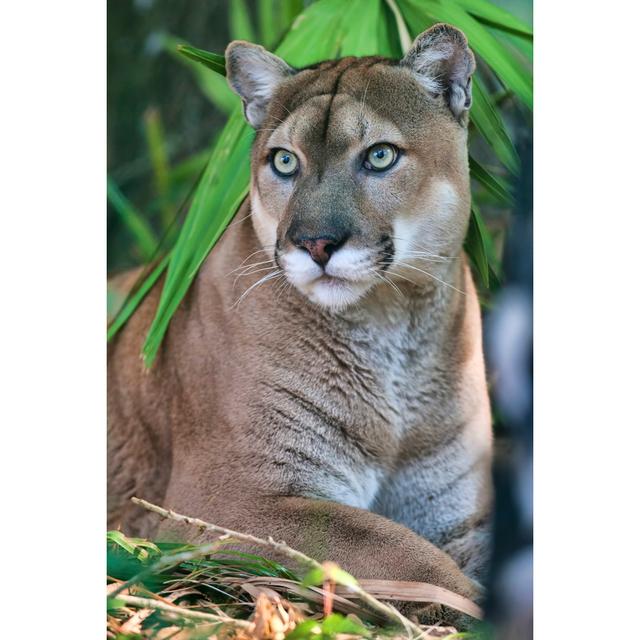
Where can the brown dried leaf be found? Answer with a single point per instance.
(438, 632)
(274, 617)
(134, 623)
(113, 586)
(167, 632)
(316, 595)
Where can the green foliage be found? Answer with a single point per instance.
(131, 304)
(479, 248)
(157, 146)
(329, 29)
(201, 63)
(240, 23)
(207, 581)
(138, 547)
(144, 237)
(274, 18)
(213, 61)
(200, 580)
(487, 120)
(329, 572)
(496, 186)
(328, 628)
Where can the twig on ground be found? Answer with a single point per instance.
(150, 603)
(281, 547)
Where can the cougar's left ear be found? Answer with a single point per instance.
(254, 73)
(443, 63)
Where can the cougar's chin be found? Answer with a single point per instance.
(328, 291)
(335, 293)
(334, 287)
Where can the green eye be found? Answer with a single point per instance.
(284, 162)
(380, 157)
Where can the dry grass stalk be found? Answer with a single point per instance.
(150, 603)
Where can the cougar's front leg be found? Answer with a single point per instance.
(365, 544)
(448, 501)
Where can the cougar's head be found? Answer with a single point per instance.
(359, 166)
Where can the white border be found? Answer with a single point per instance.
(587, 237)
(52, 261)
(53, 266)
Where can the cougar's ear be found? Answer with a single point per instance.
(443, 63)
(254, 73)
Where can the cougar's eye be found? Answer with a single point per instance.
(380, 157)
(283, 162)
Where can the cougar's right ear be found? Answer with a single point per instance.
(254, 73)
(443, 63)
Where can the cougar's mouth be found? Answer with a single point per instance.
(334, 292)
(334, 281)
(336, 284)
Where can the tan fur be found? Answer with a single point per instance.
(347, 415)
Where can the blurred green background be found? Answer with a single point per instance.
(163, 113)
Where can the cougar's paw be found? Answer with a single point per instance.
(438, 615)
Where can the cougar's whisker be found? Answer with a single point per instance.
(281, 287)
(278, 119)
(420, 255)
(265, 250)
(283, 106)
(393, 285)
(422, 248)
(266, 278)
(251, 273)
(398, 275)
(249, 266)
(239, 221)
(430, 275)
(364, 97)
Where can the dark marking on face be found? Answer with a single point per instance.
(387, 252)
(327, 117)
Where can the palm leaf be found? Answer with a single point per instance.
(496, 186)
(479, 247)
(371, 33)
(221, 190)
(157, 146)
(240, 26)
(275, 17)
(201, 64)
(145, 240)
(491, 14)
(267, 22)
(213, 61)
(132, 303)
(489, 123)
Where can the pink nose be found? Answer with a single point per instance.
(320, 249)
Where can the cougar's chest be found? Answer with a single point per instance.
(341, 401)
(403, 356)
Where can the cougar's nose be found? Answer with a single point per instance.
(320, 249)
